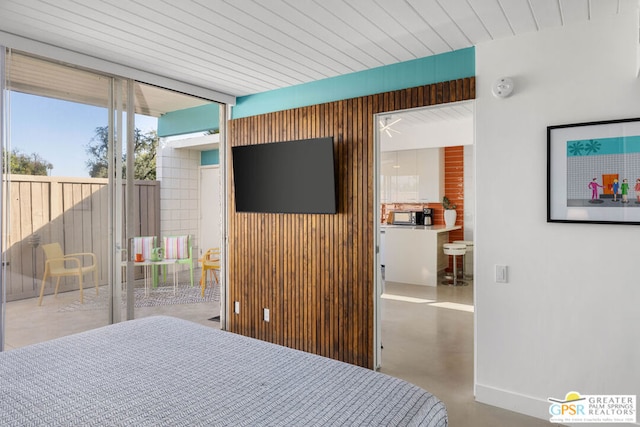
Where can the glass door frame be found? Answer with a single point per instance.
(120, 107)
(3, 235)
(121, 118)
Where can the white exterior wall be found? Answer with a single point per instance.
(178, 173)
(569, 318)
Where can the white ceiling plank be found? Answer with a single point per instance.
(574, 11)
(602, 9)
(392, 27)
(345, 35)
(216, 48)
(118, 46)
(161, 54)
(437, 18)
(286, 41)
(200, 46)
(241, 47)
(227, 41)
(546, 13)
(466, 19)
(279, 35)
(519, 15)
(376, 42)
(418, 36)
(320, 37)
(492, 17)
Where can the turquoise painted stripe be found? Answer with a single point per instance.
(190, 120)
(603, 146)
(432, 69)
(210, 157)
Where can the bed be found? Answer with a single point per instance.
(163, 371)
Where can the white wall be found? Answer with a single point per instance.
(569, 318)
(178, 171)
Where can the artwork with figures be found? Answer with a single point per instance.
(594, 172)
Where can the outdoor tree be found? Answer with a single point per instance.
(144, 148)
(26, 164)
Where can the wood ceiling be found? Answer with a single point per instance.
(250, 46)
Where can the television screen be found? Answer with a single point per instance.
(285, 177)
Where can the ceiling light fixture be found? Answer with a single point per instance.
(386, 126)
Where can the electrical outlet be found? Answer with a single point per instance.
(236, 307)
(265, 314)
(501, 274)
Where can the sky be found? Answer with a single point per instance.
(59, 131)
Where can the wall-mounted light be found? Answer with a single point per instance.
(502, 87)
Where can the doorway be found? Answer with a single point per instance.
(446, 127)
(210, 221)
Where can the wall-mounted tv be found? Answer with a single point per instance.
(285, 177)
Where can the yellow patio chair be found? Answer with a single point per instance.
(58, 265)
(178, 248)
(210, 262)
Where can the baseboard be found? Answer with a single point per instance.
(534, 407)
(527, 405)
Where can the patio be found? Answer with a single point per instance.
(26, 323)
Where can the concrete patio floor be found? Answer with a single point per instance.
(27, 323)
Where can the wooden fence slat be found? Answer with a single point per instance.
(70, 211)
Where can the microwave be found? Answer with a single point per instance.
(408, 218)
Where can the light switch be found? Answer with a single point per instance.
(236, 307)
(501, 274)
(265, 314)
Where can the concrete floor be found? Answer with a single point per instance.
(427, 339)
(427, 335)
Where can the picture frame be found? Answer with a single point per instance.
(593, 172)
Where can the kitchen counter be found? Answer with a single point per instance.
(435, 228)
(413, 254)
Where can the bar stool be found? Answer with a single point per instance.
(454, 249)
(467, 258)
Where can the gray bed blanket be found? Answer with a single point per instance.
(162, 371)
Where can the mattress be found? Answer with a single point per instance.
(163, 371)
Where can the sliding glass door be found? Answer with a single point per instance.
(61, 210)
(177, 203)
(92, 164)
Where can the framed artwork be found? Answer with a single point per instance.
(593, 172)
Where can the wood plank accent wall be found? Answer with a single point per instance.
(315, 273)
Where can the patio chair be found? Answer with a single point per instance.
(58, 265)
(141, 245)
(178, 248)
(210, 262)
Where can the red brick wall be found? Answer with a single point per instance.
(454, 186)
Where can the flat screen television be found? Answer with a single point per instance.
(285, 177)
